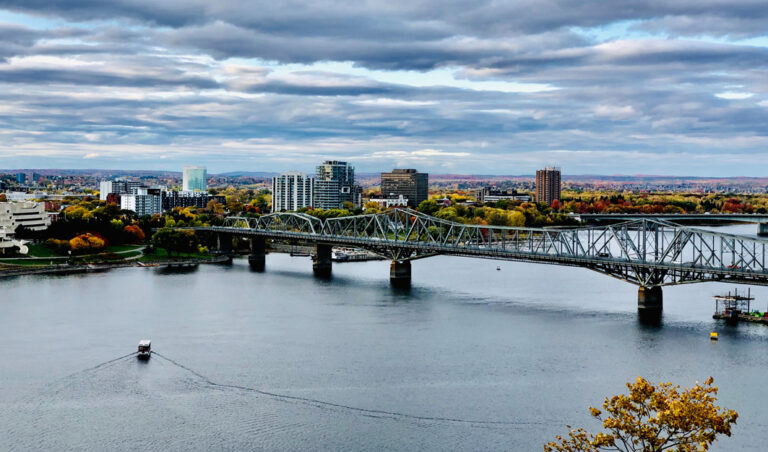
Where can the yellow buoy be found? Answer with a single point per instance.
(713, 336)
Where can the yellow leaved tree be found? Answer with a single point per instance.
(652, 419)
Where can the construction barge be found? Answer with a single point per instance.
(735, 308)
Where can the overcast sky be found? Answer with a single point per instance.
(450, 86)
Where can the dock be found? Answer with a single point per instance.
(735, 308)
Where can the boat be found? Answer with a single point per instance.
(339, 256)
(352, 255)
(145, 349)
(735, 308)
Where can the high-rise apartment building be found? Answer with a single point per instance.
(195, 178)
(408, 183)
(292, 191)
(335, 185)
(119, 187)
(548, 185)
(146, 201)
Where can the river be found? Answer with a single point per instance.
(470, 358)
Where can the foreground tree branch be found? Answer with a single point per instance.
(653, 419)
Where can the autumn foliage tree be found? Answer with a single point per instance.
(652, 419)
(86, 243)
(135, 232)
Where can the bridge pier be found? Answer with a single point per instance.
(762, 229)
(224, 243)
(257, 258)
(650, 300)
(321, 262)
(400, 273)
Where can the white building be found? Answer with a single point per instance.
(143, 202)
(291, 191)
(105, 188)
(195, 178)
(31, 215)
(7, 242)
(399, 201)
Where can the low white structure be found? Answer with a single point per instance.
(31, 215)
(400, 201)
(7, 242)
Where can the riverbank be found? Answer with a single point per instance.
(65, 269)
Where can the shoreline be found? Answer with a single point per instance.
(96, 268)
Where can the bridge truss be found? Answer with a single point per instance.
(646, 252)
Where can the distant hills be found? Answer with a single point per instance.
(596, 180)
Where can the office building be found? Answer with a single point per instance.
(21, 178)
(292, 191)
(35, 177)
(548, 185)
(492, 194)
(409, 183)
(335, 185)
(195, 178)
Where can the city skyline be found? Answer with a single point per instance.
(459, 87)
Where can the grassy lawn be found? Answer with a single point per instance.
(121, 248)
(40, 250)
(25, 262)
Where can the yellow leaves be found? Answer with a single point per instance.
(86, 242)
(653, 418)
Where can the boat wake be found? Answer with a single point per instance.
(364, 411)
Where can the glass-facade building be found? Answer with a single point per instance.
(195, 178)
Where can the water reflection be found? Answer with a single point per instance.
(532, 344)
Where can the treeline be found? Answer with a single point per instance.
(663, 203)
(90, 225)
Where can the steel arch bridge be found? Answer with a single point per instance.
(646, 252)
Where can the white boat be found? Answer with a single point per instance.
(145, 349)
(339, 256)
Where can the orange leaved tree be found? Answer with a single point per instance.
(652, 419)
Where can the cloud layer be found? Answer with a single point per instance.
(450, 86)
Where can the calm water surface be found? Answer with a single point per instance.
(470, 358)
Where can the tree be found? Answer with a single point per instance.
(652, 419)
(85, 243)
(174, 240)
(135, 232)
(428, 207)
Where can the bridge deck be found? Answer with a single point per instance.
(644, 252)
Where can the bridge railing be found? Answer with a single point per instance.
(633, 242)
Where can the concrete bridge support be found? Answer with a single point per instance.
(224, 243)
(400, 273)
(321, 262)
(257, 258)
(762, 229)
(650, 300)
